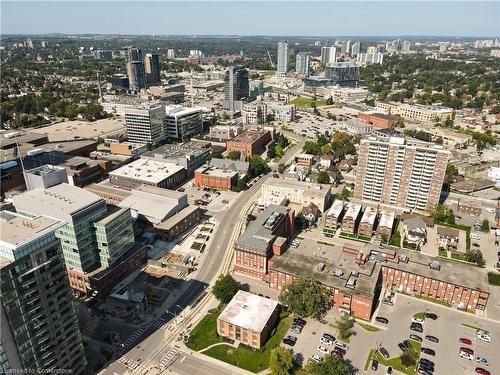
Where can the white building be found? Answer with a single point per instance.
(328, 55)
(182, 123)
(282, 59)
(145, 124)
(302, 63)
(370, 58)
(170, 54)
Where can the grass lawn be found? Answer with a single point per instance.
(443, 253)
(419, 315)
(251, 359)
(395, 362)
(205, 332)
(301, 102)
(354, 237)
(368, 327)
(325, 243)
(494, 278)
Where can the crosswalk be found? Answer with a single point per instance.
(130, 363)
(168, 357)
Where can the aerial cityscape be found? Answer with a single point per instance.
(250, 187)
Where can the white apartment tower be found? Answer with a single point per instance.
(145, 124)
(328, 55)
(282, 59)
(399, 174)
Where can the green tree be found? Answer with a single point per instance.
(282, 361)
(215, 155)
(257, 165)
(345, 326)
(345, 194)
(225, 288)
(331, 365)
(234, 155)
(240, 186)
(329, 101)
(451, 173)
(281, 167)
(300, 221)
(326, 149)
(486, 225)
(443, 215)
(323, 177)
(311, 147)
(306, 297)
(475, 256)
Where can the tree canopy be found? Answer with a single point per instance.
(331, 365)
(305, 297)
(282, 361)
(225, 288)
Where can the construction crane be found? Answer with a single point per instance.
(270, 59)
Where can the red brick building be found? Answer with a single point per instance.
(264, 237)
(213, 177)
(251, 142)
(379, 120)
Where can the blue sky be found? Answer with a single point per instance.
(280, 18)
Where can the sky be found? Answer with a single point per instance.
(277, 18)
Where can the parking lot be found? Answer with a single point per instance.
(448, 328)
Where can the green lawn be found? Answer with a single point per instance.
(325, 243)
(473, 327)
(354, 237)
(205, 332)
(301, 102)
(396, 361)
(251, 359)
(368, 327)
(419, 315)
(443, 253)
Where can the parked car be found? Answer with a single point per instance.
(342, 346)
(384, 352)
(316, 358)
(417, 328)
(427, 361)
(426, 366)
(417, 320)
(482, 361)
(416, 337)
(402, 347)
(326, 341)
(475, 236)
(431, 316)
(482, 371)
(465, 341)
(387, 301)
(382, 320)
(465, 355)
(329, 337)
(290, 340)
(338, 351)
(388, 371)
(467, 350)
(483, 336)
(299, 322)
(323, 350)
(432, 338)
(296, 329)
(374, 365)
(475, 244)
(428, 351)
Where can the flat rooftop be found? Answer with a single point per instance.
(304, 156)
(387, 218)
(369, 215)
(59, 201)
(319, 190)
(336, 209)
(353, 210)
(179, 110)
(176, 218)
(337, 270)
(217, 172)
(249, 136)
(249, 311)
(176, 151)
(16, 230)
(147, 170)
(259, 232)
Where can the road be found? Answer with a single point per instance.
(187, 364)
(152, 343)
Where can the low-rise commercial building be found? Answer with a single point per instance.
(379, 120)
(252, 142)
(179, 223)
(416, 112)
(356, 127)
(304, 160)
(148, 172)
(217, 178)
(299, 192)
(248, 318)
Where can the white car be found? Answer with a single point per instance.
(490, 210)
(316, 358)
(483, 337)
(342, 346)
(417, 320)
(482, 361)
(466, 355)
(323, 350)
(475, 236)
(326, 341)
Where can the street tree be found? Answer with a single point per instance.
(234, 155)
(225, 288)
(331, 365)
(306, 297)
(323, 177)
(282, 361)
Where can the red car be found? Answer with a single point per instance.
(482, 371)
(339, 352)
(467, 350)
(465, 341)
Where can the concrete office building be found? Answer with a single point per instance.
(152, 68)
(370, 58)
(282, 66)
(302, 63)
(145, 124)
(46, 176)
(39, 327)
(328, 55)
(416, 112)
(343, 74)
(136, 75)
(251, 142)
(181, 123)
(248, 318)
(236, 88)
(400, 174)
(189, 155)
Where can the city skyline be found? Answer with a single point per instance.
(475, 18)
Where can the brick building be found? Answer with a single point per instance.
(251, 142)
(385, 224)
(213, 177)
(379, 120)
(351, 218)
(248, 318)
(367, 222)
(264, 237)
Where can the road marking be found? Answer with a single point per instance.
(183, 358)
